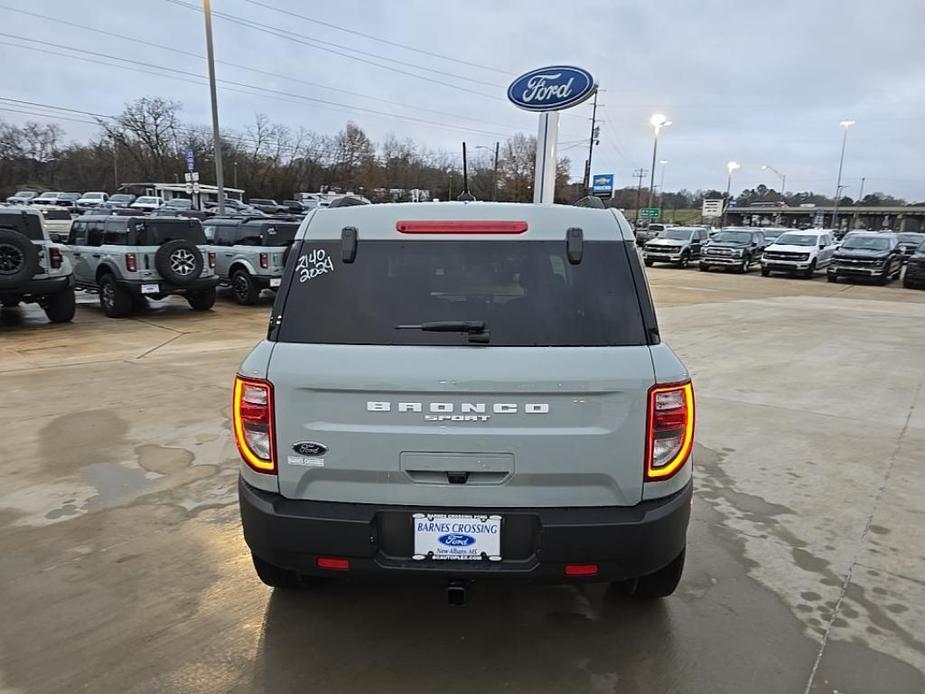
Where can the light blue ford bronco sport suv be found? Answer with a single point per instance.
(454, 392)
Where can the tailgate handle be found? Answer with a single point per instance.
(457, 477)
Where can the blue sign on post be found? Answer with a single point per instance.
(189, 161)
(551, 88)
(602, 183)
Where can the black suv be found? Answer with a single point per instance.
(733, 247)
(909, 242)
(127, 259)
(915, 269)
(867, 255)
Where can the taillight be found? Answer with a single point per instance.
(55, 258)
(264, 260)
(253, 423)
(212, 260)
(131, 262)
(670, 429)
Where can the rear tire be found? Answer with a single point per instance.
(831, 278)
(765, 272)
(660, 584)
(201, 299)
(60, 307)
(244, 289)
(648, 262)
(114, 300)
(275, 576)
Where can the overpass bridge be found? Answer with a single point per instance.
(901, 218)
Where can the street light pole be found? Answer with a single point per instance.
(730, 167)
(657, 121)
(841, 162)
(783, 180)
(661, 183)
(216, 137)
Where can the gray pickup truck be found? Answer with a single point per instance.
(457, 392)
(128, 260)
(32, 268)
(250, 253)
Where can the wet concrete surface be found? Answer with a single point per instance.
(122, 568)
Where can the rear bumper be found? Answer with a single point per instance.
(41, 287)
(536, 544)
(164, 288)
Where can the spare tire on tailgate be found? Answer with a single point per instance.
(179, 262)
(19, 258)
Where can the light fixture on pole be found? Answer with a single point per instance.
(730, 167)
(657, 121)
(782, 177)
(841, 163)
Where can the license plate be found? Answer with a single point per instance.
(442, 536)
(150, 288)
(275, 281)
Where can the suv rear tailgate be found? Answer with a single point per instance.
(514, 420)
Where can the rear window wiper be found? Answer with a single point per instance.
(476, 330)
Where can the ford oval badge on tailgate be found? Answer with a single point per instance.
(309, 448)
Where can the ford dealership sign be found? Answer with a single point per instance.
(551, 88)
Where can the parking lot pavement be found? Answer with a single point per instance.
(124, 569)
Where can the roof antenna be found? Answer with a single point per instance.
(465, 195)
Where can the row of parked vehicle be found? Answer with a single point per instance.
(100, 200)
(878, 256)
(128, 259)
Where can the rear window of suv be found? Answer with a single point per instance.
(156, 233)
(263, 234)
(26, 224)
(526, 293)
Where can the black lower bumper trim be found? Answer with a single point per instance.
(134, 286)
(536, 543)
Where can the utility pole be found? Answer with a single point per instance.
(494, 175)
(638, 174)
(595, 131)
(216, 137)
(861, 191)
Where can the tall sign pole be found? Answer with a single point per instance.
(547, 141)
(216, 138)
(547, 91)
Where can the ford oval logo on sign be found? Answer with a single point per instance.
(551, 88)
(456, 540)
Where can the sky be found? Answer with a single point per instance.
(756, 83)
